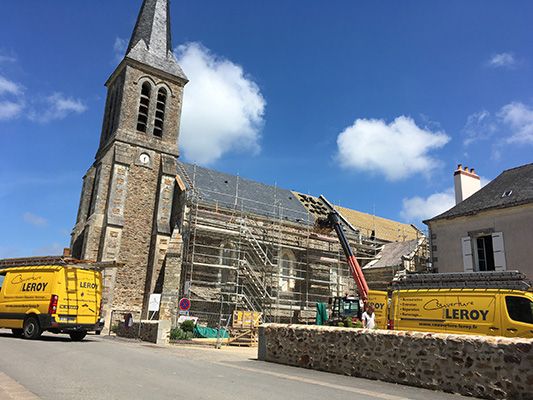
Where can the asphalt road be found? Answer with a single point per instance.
(109, 368)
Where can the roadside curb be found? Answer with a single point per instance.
(12, 390)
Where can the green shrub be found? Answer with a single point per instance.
(357, 324)
(180, 334)
(187, 326)
(340, 324)
(348, 323)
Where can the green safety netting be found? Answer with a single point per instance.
(210, 333)
(321, 313)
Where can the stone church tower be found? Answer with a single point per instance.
(125, 212)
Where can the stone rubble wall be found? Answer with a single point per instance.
(481, 366)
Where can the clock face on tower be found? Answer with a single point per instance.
(144, 158)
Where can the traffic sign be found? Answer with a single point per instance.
(185, 304)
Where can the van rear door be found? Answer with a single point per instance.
(517, 315)
(88, 296)
(83, 297)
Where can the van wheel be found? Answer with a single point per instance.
(31, 328)
(77, 336)
(17, 332)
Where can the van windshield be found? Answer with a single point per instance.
(520, 309)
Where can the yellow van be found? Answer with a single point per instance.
(477, 311)
(58, 299)
(496, 312)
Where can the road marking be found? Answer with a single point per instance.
(370, 393)
(12, 390)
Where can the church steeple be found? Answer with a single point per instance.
(145, 91)
(153, 27)
(126, 209)
(151, 41)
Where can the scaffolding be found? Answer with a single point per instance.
(241, 254)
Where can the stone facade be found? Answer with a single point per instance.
(485, 367)
(125, 212)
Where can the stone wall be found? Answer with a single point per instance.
(149, 331)
(485, 367)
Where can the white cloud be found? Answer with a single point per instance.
(512, 124)
(222, 108)
(10, 110)
(7, 58)
(119, 48)
(33, 219)
(7, 86)
(502, 60)
(56, 106)
(396, 150)
(479, 126)
(417, 209)
(11, 99)
(519, 118)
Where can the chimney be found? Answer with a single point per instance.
(467, 183)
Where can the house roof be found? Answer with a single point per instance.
(393, 254)
(511, 188)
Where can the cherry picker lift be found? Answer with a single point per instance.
(346, 306)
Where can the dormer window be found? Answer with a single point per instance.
(144, 106)
(507, 193)
(159, 118)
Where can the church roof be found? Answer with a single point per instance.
(369, 225)
(232, 191)
(384, 229)
(151, 41)
(513, 187)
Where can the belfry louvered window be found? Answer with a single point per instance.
(144, 107)
(160, 112)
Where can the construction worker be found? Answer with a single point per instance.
(369, 318)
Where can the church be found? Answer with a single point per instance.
(181, 230)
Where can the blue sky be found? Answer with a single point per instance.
(372, 104)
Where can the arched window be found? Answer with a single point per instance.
(144, 106)
(227, 260)
(160, 112)
(286, 271)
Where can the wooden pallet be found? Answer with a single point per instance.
(243, 337)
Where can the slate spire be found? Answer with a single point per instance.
(151, 41)
(153, 27)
